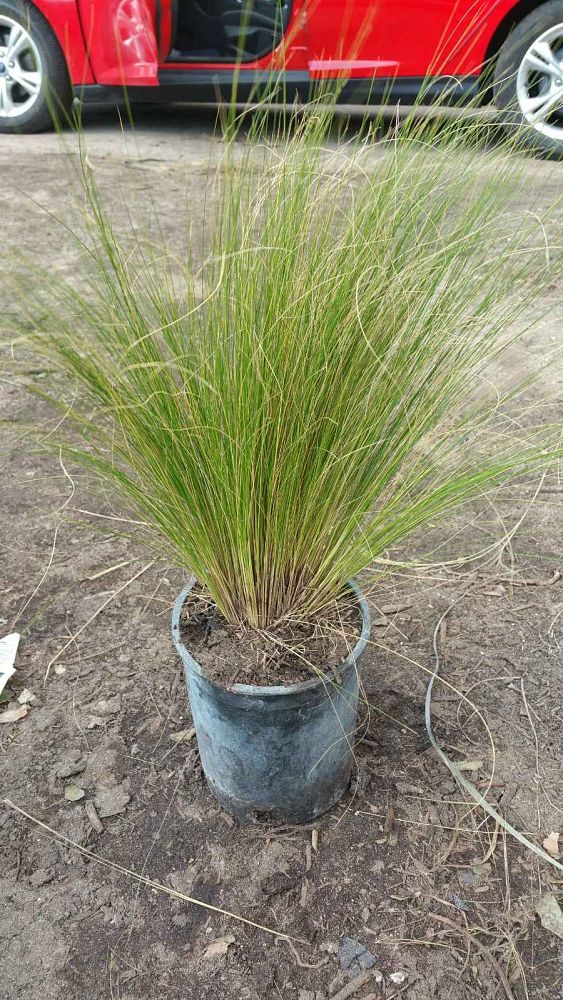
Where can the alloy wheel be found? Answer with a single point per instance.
(20, 69)
(539, 84)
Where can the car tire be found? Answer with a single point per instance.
(524, 91)
(35, 89)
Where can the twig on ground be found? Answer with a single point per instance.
(109, 517)
(43, 576)
(150, 883)
(109, 569)
(306, 965)
(107, 601)
(480, 947)
(276, 831)
(396, 993)
(353, 987)
(527, 582)
(92, 656)
(467, 786)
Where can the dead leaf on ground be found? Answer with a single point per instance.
(14, 714)
(389, 821)
(94, 721)
(26, 697)
(470, 765)
(74, 792)
(183, 736)
(219, 947)
(498, 591)
(551, 844)
(550, 914)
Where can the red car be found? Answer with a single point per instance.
(192, 50)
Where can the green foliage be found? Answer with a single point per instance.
(336, 384)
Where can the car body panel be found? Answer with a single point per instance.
(127, 42)
(121, 41)
(434, 37)
(64, 18)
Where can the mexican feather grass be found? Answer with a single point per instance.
(338, 382)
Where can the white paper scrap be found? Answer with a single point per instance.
(8, 649)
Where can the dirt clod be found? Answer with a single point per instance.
(71, 764)
(111, 798)
(93, 817)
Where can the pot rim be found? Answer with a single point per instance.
(258, 690)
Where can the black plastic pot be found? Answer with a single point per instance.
(281, 751)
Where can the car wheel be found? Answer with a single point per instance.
(528, 80)
(34, 83)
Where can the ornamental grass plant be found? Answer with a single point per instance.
(328, 380)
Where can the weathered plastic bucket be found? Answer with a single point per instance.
(281, 751)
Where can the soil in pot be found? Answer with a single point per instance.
(288, 653)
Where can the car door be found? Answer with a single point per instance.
(129, 40)
(126, 39)
(220, 50)
(399, 38)
(346, 39)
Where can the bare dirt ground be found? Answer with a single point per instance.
(442, 901)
